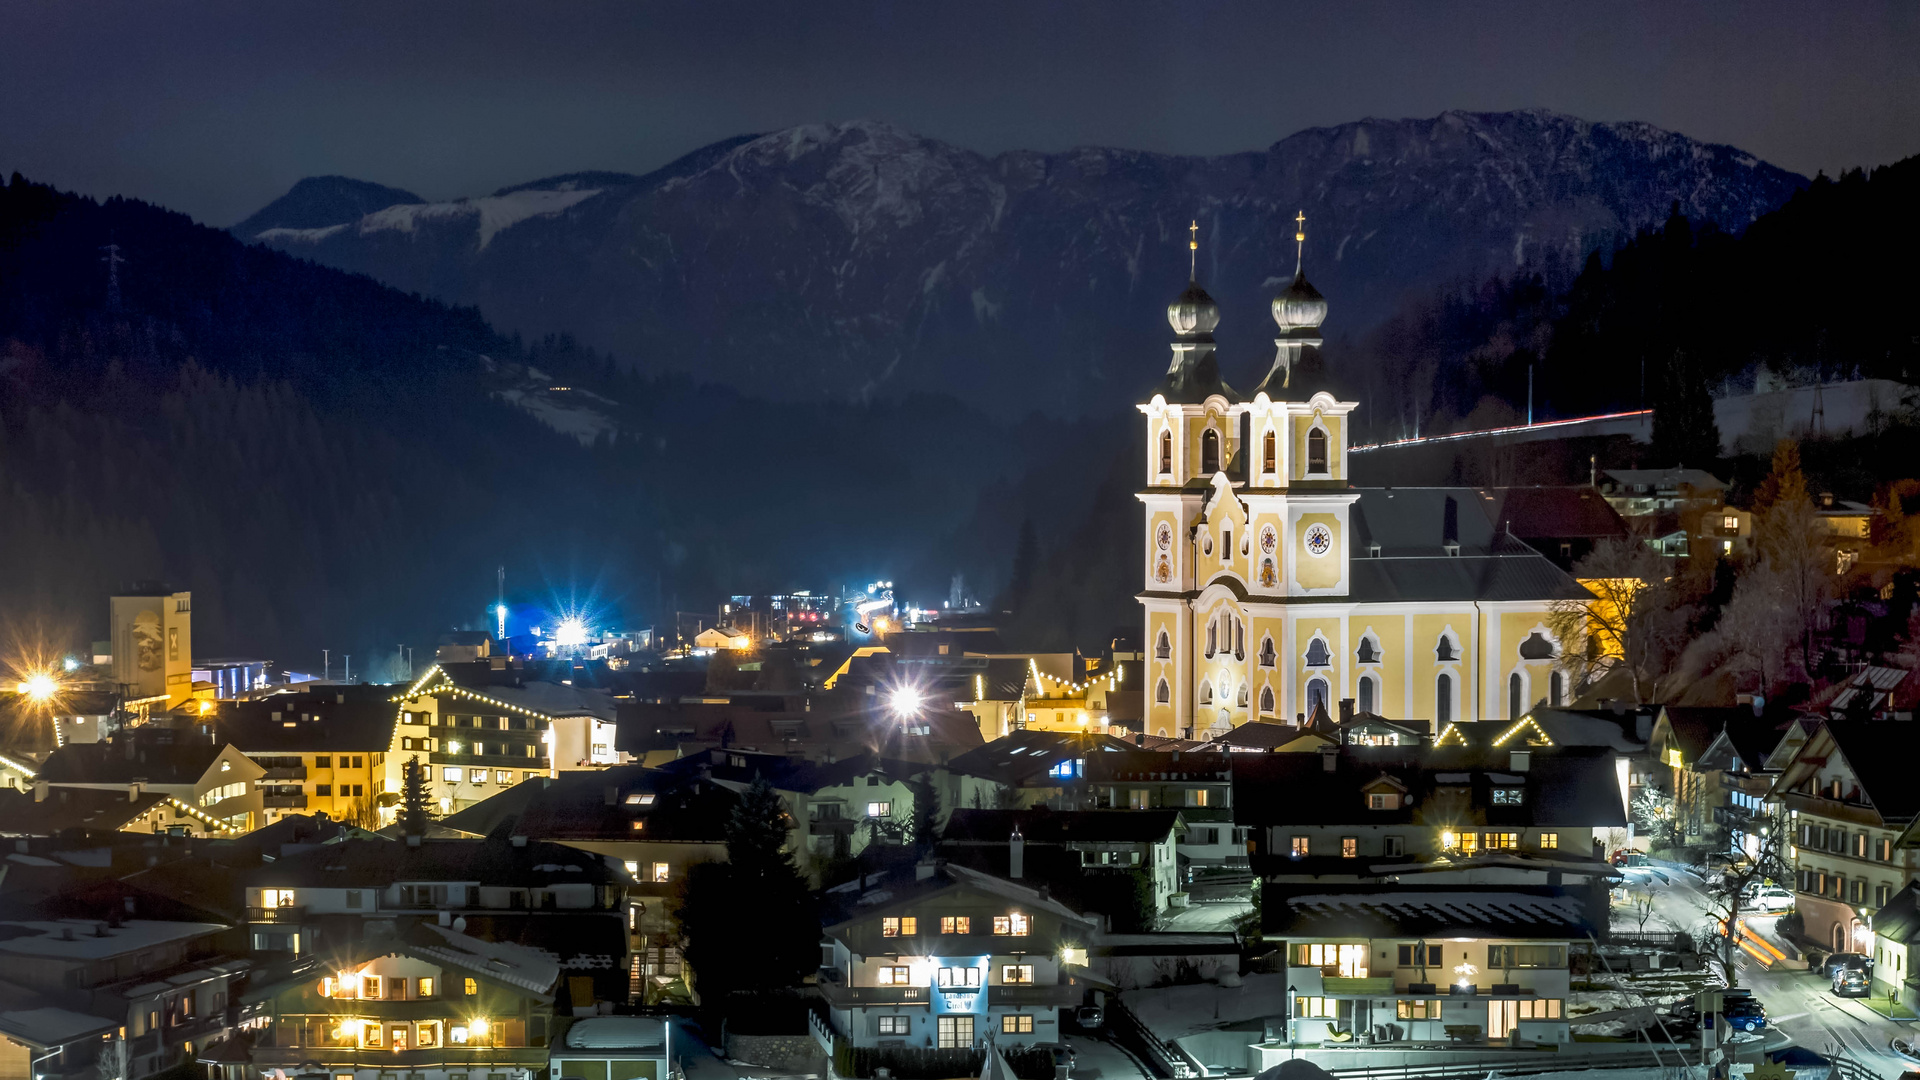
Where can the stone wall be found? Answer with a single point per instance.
(788, 1053)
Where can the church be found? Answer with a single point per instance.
(1273, 589)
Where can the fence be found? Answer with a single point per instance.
(1165, 1061)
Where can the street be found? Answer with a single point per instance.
(1799, 1002)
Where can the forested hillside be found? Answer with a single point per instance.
(328, 463)
(1820, 288)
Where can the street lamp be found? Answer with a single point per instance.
(38, 687)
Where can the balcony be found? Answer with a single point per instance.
(296, 772)
(285, 913)
(459, 1058)
(842, 997)
(1336, 985)
(284, 802)
(1044, 996)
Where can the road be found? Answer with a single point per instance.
(1799, 1003)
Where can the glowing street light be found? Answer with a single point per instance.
(39, 687)
(571, 631)
(905, 700)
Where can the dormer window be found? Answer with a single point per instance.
(1210, 452)
(1383, 800)
(1316, 452)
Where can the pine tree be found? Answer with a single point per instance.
(416, 798)
(1683, 429)
(1026, 562)
(758, 886)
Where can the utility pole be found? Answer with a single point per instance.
(326, 666)
(349, 675)
(113, 259)
(1529, 395)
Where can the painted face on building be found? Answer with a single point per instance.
(147, 639)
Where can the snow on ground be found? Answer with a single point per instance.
(1204, 918)
(554, 411)
(1173, 1011)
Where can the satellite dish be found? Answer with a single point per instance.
(862, 627)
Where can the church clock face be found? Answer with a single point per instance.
(1319, 539)
(1267, 540)
(1163, 537)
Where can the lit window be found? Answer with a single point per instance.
(659, 872)
(636, 826)
(1020, 1024)
(1549, 840)
(909, 926)
(276, 898)
(1383, 800)
(1016, 974)
(955, 1032)
(370, 987)
(1508, 796)
(426, 987)
(1418, 1009)
(894, 1025)
(450, 775)
(1014, 925)
(1502, 841)
(640, 798)
(1312, 1006)
(1139, 799)
(470, 987)
(880, 809)
(896, 976)
(889, 927)
(959, 976)
(956, 924)
(1349, 847)
(1299, 846)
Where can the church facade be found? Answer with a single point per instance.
(1273, 589)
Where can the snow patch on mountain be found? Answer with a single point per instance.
(493, 213)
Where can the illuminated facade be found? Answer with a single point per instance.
(1274, 588)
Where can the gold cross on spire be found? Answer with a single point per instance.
(1299, 240)
(1193, 250)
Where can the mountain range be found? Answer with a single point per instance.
(853, 260)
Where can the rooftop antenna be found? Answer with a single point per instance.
(113, 259)
(1193, 250)
(1299, 241)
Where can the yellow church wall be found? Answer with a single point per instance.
(1302, 424)
(1197, 427)
(1263, 567)
(1162, 716)
(1304, 629)
(1164, 570)
(1322, 572)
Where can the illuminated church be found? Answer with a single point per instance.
(1273, 589)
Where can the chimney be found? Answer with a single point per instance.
(1759, 704)
(39, 791)
(1329, 758)
(133, 791)
(1346, 710)
(413, 839)
(923, 870)
(1140, 738)
(1519, 760)
(519, 839)
(1016, 854)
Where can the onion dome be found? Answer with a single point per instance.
(1299, 309)
(1193, 313)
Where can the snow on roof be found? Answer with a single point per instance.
(515, 965)
(552, 699)
(45, 938)
(51, 1027)
(1470, 910)
(617, 1033)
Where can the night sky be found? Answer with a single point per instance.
(216, 108)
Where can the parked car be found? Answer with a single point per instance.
(1090, 1016)
(1745, 1013)
(1624, 857)
(1831, 964)
(1769, 898)
(1851, 982)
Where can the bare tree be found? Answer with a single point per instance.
(1654, 812)
(1790, 539)
(1634, 624)
(1640, 903)
(1727, 882)
(1759, 630)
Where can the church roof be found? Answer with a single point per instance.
(1413, 528)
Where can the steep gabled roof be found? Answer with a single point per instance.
(1899, 920)
(1427, 911)
(1043, 826)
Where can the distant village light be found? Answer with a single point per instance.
(39, 687)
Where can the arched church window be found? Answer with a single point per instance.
(1443, 699)
(1318, 654)
(1239, 640)
(1210, 452)
(1536, 647)
(1366, 693)
(1213, 631)
(1226, 541)
(1166, 451)
(1516, 688)
(1266, 652)
(1554, 689)
(1316, 697)
(1162, 694)
(1266, 701)
(1240, 699)
(1268, 456)
(1316, 452)
(1446, 652)
(1162, 649)
(1206, 692)
(1369, 651)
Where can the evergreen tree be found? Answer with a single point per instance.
(416, 798)
(1683, 428)
(758, 886)
(1026, 561)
